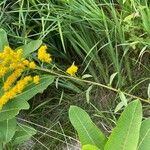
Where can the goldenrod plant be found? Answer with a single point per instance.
(21, 80)
(19, 83)
(130, 133)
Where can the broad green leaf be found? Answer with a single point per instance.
(86, 129)
(7, 129)
(3, 39)
(13, 107)
(126, 134)
(90, 147)
(144, 141)
(23, 133)
(30, 47)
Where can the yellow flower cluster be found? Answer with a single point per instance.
(10, 59)
(43, 55)
(12, 78)
(13, 64)
(18, 88)
(3, 70)
(72, 69)
(36, 79)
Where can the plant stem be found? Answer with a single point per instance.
(1, 146)
(93, 83)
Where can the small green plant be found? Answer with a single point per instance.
(19, 82)
(21, 78)
(130, 133)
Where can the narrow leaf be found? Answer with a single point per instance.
(88, 94)
(148, 91)
(85, 76)
(112, 78)
(119, 106)
(3, 39)
(123, 98)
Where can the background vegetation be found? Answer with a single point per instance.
(108, 40)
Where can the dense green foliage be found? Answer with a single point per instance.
(128, 134)
(109, 42)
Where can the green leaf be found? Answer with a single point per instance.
(148, 91)
(13, 107)
(7, 130)
(126, 134)
(123, 98)
(112, 78)
(119, 106)
(90, 147)
(88, 94)
(3, 39)
(144, 141)
(23, 133)
(85, 76)
(124, 1)
(129, 17)
(69, 85)
(87, 130)
(30, 47)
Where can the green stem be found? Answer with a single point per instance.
(93, 83)
(1, 146)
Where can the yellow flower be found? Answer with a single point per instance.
(7, 50)
(72, 70)
(43, 55)
(26, 62)
(21, 84)
(4, 99)
(32, 65)
(18, 88)
(17, 65)
(19, 53)
(17, 56)
(11, 79)
(3, 70)
(36, 79)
